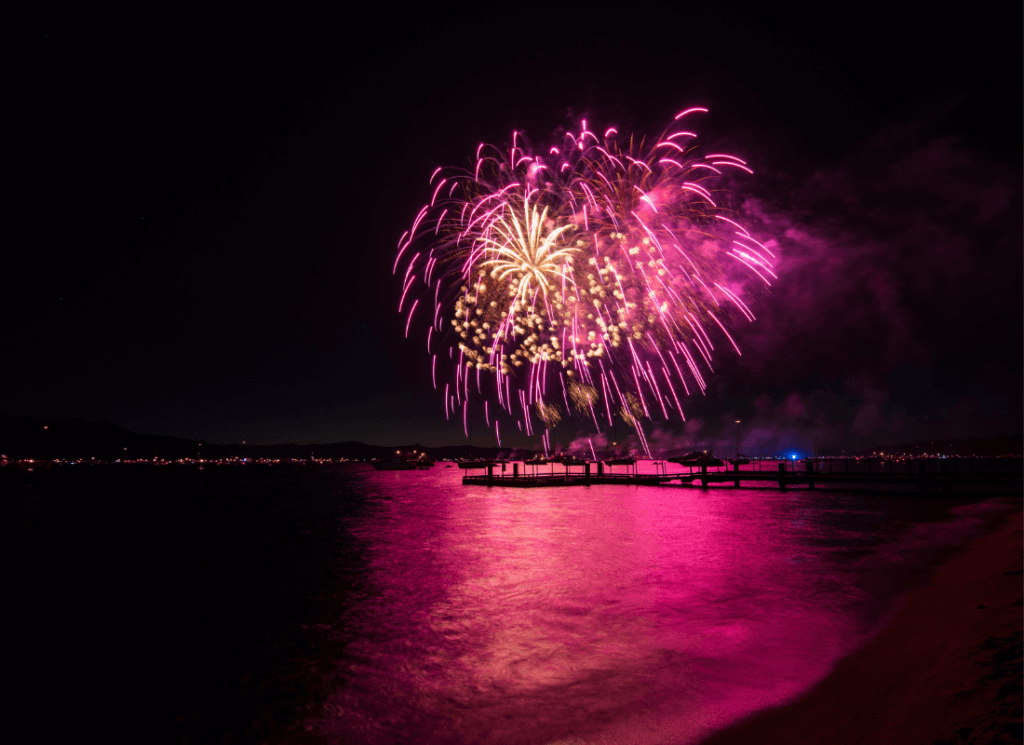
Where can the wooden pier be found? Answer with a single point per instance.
(784, 475)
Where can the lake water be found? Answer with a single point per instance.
(345, 605)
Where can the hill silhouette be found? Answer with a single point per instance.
(75, 439)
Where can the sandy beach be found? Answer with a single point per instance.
(946, 668)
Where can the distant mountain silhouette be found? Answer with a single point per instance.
(361, 451)
(48, 439)
(74, 439)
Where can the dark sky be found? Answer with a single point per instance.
(209, 211)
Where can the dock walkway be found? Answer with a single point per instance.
(808, 477)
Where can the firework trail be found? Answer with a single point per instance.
(594, 278)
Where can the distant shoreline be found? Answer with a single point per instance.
(23, 437)
(947, 668)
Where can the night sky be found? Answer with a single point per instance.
(205, 215)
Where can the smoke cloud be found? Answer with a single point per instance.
(896, 315)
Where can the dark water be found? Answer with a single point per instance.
(346, 605)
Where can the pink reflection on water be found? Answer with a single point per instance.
(605, 614)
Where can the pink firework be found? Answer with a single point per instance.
(592, 279)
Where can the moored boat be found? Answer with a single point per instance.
(697, 458)
(476, 463)
(395, 464)
(409, 462)
(570, 461)
(630, 461)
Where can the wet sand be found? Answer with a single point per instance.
(946, 668)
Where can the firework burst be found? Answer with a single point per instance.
(597, 276)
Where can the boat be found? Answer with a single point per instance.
(570, 461)
(628, 461)
(697, 458)
(740, 460)
(395, 464)
(476, 463)
(403, 463)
